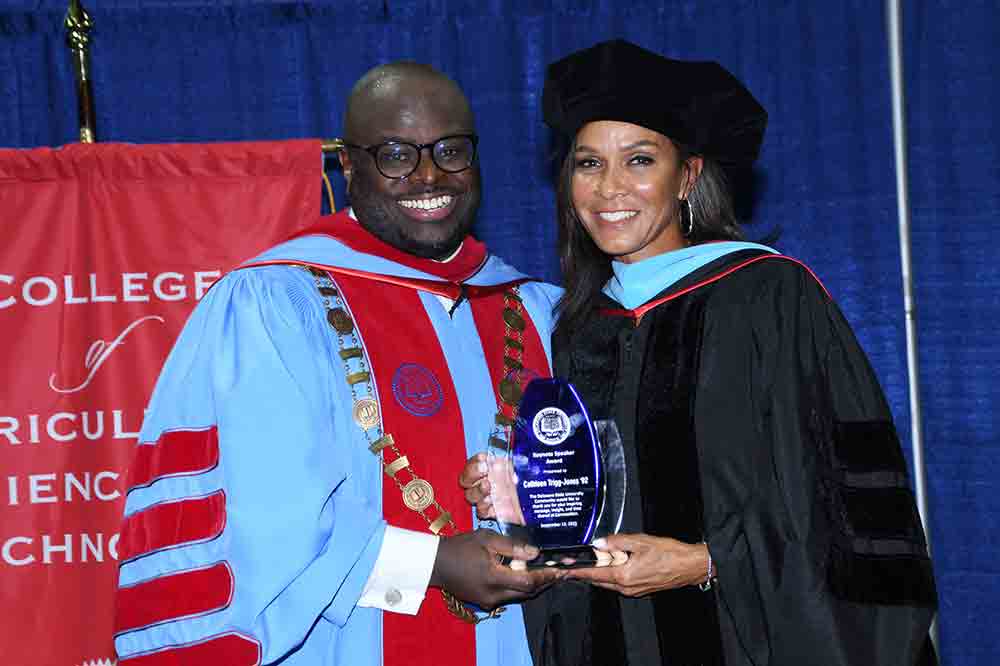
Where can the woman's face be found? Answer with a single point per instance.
(626, 184)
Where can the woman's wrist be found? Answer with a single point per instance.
(706, 584)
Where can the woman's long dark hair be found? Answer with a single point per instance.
(586, 268)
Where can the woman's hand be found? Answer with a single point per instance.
(476, 485)
(491, 486)
(654, 564)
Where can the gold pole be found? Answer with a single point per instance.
(332, 145)
(78, 25)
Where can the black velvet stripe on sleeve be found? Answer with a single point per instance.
(882, 513)
(878, 552)
(867, 446)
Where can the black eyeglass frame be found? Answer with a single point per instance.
(374, 148)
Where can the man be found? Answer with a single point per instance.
(294, 492)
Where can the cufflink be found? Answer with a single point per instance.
(393, 596)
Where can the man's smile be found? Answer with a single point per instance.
(428, 208)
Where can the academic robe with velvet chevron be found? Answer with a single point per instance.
(752, 421)
(255, 510)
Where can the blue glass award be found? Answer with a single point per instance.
(559, 483)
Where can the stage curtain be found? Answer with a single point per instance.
(953, 97)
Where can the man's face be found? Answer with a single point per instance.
(429, 212)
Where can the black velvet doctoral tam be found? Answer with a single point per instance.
(698, 104)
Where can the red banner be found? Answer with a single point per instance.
(106, 248)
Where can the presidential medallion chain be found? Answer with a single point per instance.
(418, 494)
(511, 385)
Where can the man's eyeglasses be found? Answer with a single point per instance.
(399, 159)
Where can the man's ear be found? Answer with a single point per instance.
(346, 165)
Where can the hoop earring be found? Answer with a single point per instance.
(686, 230)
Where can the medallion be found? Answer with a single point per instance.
(365, 413)
(340, 320)
(418, 495)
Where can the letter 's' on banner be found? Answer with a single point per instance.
(106, 249)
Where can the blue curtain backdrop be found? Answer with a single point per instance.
(192, 70)
(954, 142)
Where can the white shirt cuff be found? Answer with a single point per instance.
(398, 581)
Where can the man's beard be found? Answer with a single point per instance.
(379, 214)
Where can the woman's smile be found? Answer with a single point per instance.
(617, 215)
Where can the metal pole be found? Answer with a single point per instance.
(78, 25)
(903, 205)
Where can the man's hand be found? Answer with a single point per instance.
(468, 565)
(653, 564)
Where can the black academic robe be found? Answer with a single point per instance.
(752, 421)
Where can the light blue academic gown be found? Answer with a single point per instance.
(303, 516)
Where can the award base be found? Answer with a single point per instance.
(559, 557)
(567, 557)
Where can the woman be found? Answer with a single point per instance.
(768, 518)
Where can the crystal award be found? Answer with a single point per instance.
(558, 482)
